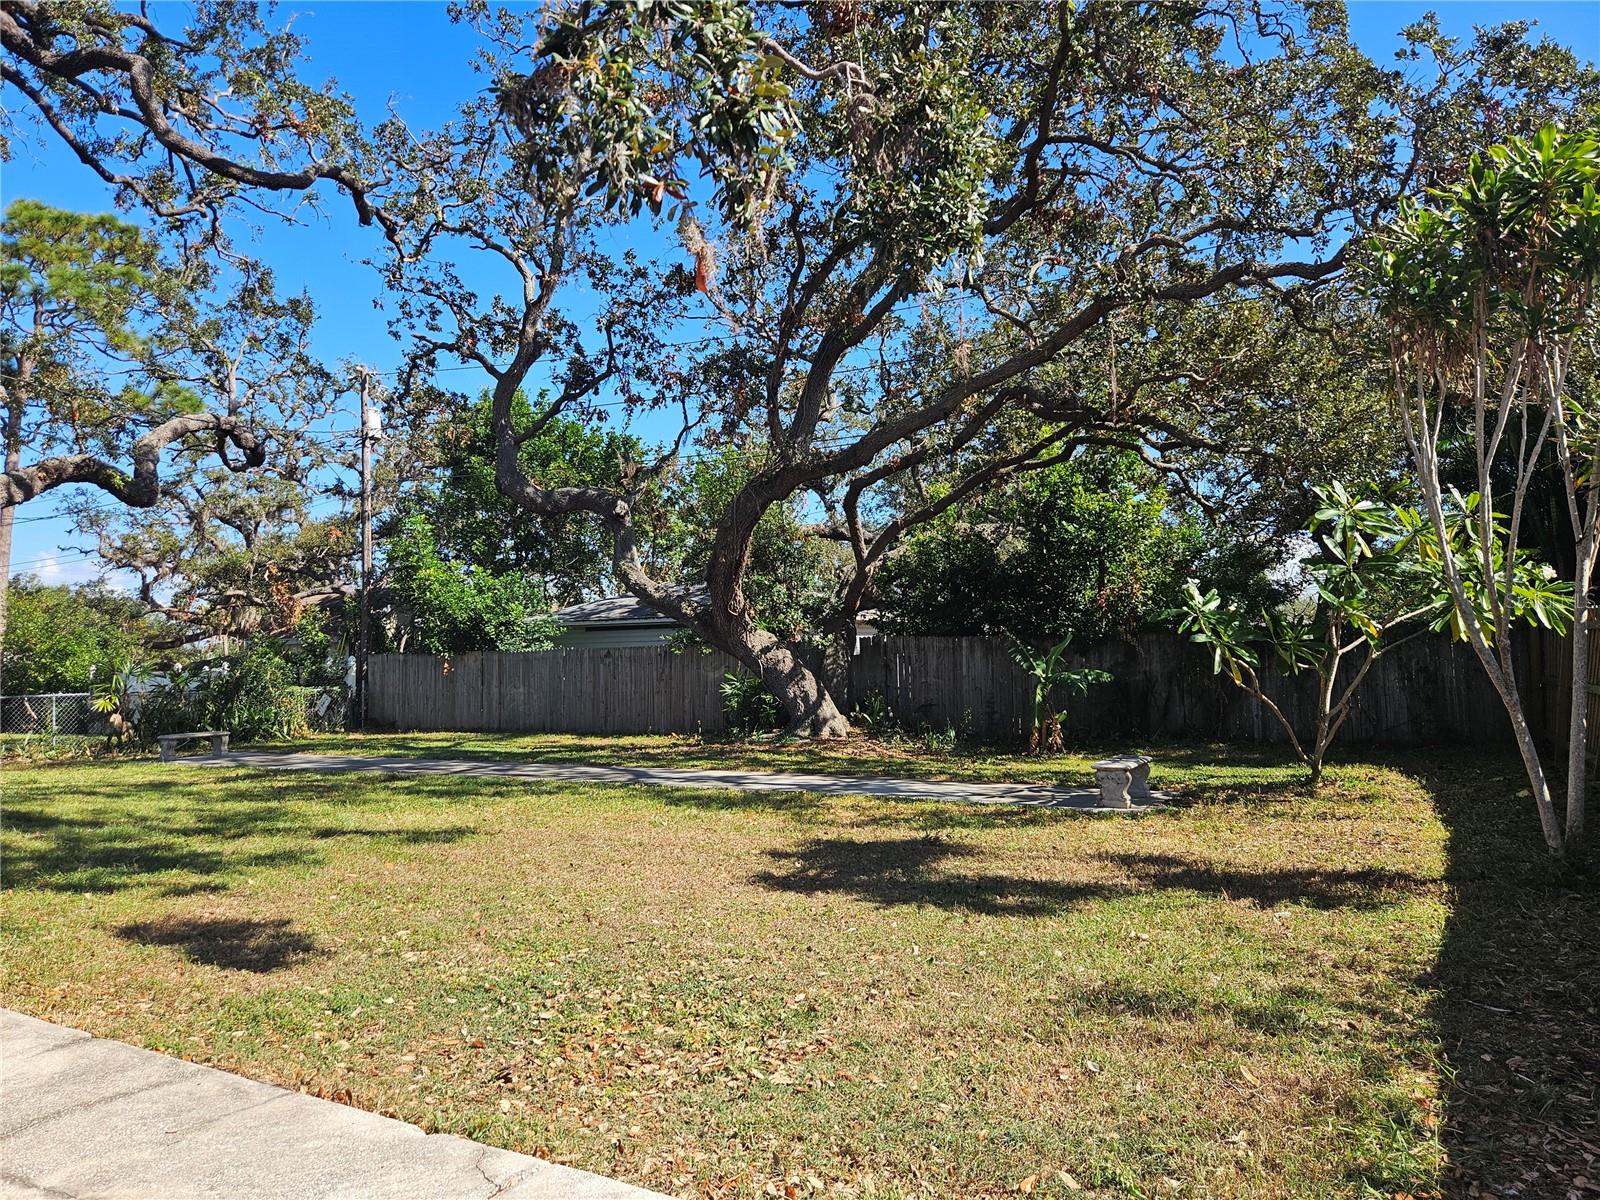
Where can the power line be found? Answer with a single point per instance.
(69, 514)
(57, 557)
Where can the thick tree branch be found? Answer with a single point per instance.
(141, 487)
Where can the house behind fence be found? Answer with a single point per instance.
(1424, 691)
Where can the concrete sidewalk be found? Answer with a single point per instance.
(1081, 799)
(81, 1116)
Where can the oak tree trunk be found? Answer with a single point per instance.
(805, 698)
(808, 706)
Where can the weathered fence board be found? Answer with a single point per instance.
(641, 689)
(1425, 691)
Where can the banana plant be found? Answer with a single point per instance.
(1048, 672)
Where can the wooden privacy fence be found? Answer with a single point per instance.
(1421, 692)
(1556, 679)
(1425, 691)
(640, 689)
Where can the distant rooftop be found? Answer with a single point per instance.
(611, 610)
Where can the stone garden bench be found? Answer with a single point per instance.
(1122, 780)
(171, 741)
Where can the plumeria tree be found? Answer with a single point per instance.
(1488, 288)
(1363, 592)
(1373, 585)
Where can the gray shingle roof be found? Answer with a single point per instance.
(611, 610)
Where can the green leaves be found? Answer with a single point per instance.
(1371, 579)
(621, 96)
(77, 291)
(1049, 673)
(470, 522)
(1526, 591)
(453, 608)
(1518, 238)
(1352, 527)
(1384, 568)
(748, 705)
(1094, 548)
(921, 159)
(1220, 625)
(62, 639)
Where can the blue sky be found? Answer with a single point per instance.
(411, 55)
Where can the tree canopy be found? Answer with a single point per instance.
(937, 248)
(927, 233)
(91, 315)
(184, 122)
(61, 639)
(472, 523)
(1088, 549)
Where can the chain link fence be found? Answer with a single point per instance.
(51, 718)
(64, 721)
(324, 708)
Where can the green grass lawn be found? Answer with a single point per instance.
(1381, 989)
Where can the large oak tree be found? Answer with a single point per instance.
(929, 232)
(926, 235)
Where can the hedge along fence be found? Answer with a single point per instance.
(1423, 692)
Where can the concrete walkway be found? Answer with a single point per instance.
(1082, 799)
(81, 1116)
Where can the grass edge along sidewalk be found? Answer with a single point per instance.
(86, 1116)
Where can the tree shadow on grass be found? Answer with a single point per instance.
(937, 816)
(115, 859)
(1285, 1010)
(885, 812)
(1518, 994)
(894, 871)
(800, 806)
(925, 871)
(114, 841)
(1318, 887)
(261, 946)
(435, 836)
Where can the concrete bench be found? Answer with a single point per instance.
(1122, 778)
(170, 742)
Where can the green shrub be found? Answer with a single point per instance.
(250, 694)
(169, 709)
(333, 718)
(747, 704)
(254, 698)
(873, 716)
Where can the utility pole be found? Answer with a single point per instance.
(369, 428)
